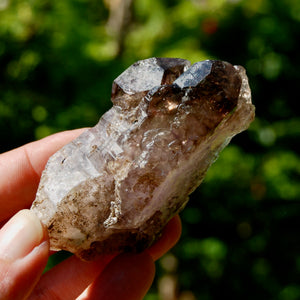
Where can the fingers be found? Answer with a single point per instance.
(170, 236)
(71, 277)
(127, 277)
(24, 252)
(20, 171)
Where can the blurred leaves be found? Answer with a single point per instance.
(240, 229)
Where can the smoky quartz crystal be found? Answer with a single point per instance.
(115, 187)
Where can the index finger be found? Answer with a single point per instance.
(21, 168)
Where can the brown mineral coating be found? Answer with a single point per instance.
(168, 124)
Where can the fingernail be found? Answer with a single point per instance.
(20, 235)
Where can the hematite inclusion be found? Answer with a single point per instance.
(115, 187)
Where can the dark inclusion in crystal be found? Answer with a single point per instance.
(122, 180)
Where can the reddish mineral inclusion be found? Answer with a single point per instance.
(115, 187)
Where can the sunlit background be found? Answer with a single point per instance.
(241, 227)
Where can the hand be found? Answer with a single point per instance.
(24, 243)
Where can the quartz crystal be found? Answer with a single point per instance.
(114, 187)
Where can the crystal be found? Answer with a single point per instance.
(115, 187)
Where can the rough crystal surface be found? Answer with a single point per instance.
(114, 187)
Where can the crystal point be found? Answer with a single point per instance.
(115, 187)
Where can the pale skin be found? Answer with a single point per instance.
(24, 243)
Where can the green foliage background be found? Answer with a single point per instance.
(241, 227)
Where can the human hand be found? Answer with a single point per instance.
(24, 243)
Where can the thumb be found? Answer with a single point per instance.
(24, 250)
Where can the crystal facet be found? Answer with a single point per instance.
(115, 187)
